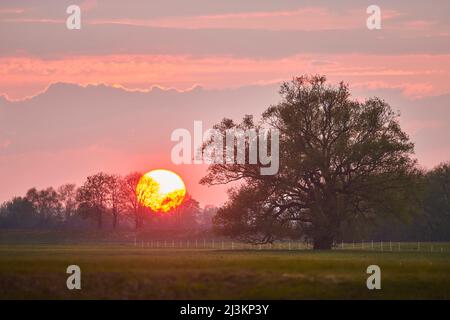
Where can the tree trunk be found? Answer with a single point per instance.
(114, 219)
(137, 221)
(326, 224)
(99, 220)
(139, 215)
(323, 243)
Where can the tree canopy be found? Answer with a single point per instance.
(340, 160)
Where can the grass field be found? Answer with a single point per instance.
(129, 272)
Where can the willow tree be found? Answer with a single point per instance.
(341, 160)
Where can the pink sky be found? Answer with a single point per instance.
(416, 75)
(155, 66)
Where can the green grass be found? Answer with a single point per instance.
(128, 272)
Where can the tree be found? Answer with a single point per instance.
(206, 216)
(115, 197)
(437, 202)
(130, 200)
(340, 160)
(93, 197)
(433, 221)
(18, 213)
(46, 204)
(246, 217)
(186, 213)
(67, 196)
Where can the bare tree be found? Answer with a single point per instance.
(93, 197)
(129, 198)
(67, 194)
(116, 198)
(186, 214)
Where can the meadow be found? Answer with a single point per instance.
(176, 271)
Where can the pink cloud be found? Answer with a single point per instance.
(415, 75)
(35, 20)
(11, 10)
(306, 19)
(309, 18)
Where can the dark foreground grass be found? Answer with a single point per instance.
(126, 272)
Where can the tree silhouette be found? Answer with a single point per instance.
(45, 203)
(93, 197)
(115, 197)
(339, 159)
(130, 200)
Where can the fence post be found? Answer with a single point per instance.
(372, 244)
(390, 245)
(362, 244)
(381, 243)
(342, 244)
(418, 245)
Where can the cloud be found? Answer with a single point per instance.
(307, 18)
(106, 97)
(70, 131)
(416, 75)
(13, 11)
(52, 39)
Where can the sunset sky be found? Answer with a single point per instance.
(108, 96)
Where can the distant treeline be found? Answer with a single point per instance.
(104, 201)
(108, 201)
(430, 223)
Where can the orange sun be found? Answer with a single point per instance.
(160, 190)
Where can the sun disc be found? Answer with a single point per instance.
(161, 190)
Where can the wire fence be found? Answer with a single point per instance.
(379, 246)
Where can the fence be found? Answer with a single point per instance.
(214, 244)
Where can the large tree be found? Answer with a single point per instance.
(340, 160)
